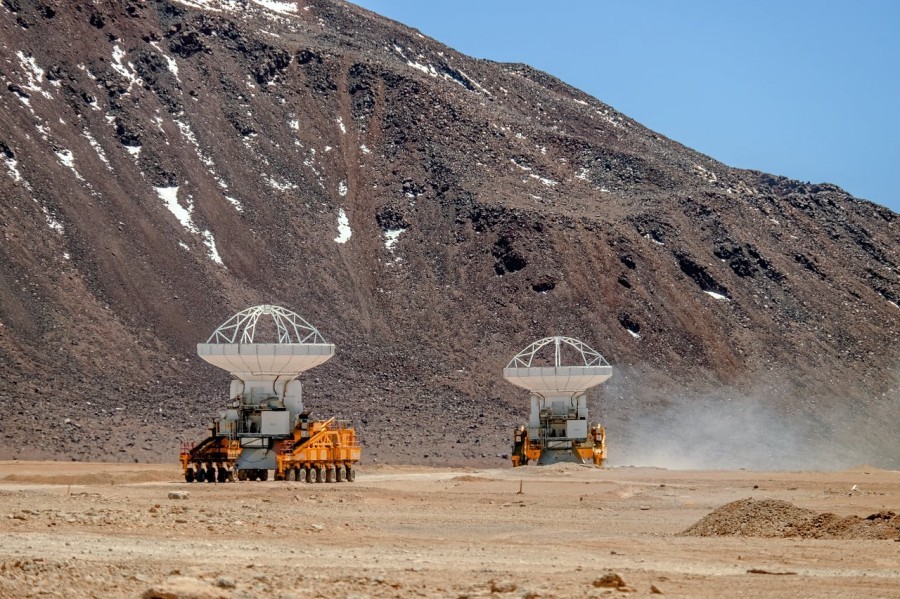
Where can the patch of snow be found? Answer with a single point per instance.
(651, 238)
(13, 167)
(717, 296)
(97, 148)
(633, 334)
(52, 222)
(894, 304)
(169, 196)
(236, 203)
(391, 236)
(340, 123)
(521, 166)
(582, 102)
(342, 188)
(33, 72)
(344, 232)
(66, 256)
(134, 150)
(706, 175)
(210, 244)
(327, 149)
(475, 83)
(279, 185)
(285, 8)
(583, 175)
(159, 125)
(125, 70)
(188, 134)
(184, 246)
(294, 124)
(364, 149)
(170, 62)
(544, 180)
(66, 157)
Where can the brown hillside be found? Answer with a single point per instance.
(751, 320)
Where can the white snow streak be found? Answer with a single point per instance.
(236, 203)
(633, 334)
(100, 153)
(52, 222)
(170, 62)
(344, 232)
(342, 188)
(169, 196)
(65, 156)
(274, 184)
(128, 71)
(391, 236)
(340, 123)
(210, 244)
(33, 72)
(285, 8)
(715, 295)
(12, 166)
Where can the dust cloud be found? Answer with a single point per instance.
(766, 429)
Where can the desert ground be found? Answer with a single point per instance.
(115, 530)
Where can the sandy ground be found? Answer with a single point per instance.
(111, 530)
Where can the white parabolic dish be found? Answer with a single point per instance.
(563, 380)
(558, 379)
(232, 346)
(257, 360)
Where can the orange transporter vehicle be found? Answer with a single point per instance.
(264, 426)
(318, 452)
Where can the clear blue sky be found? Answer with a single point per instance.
(809, 89)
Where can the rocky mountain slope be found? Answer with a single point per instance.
(169, 163)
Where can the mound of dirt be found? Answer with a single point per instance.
(772, 518)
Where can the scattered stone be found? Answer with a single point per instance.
(503, 586)
(609, 581)
(179, 494)
(654, 590)
(224, 582)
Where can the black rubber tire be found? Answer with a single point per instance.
(330, 475)
(211, 474)
(221, 474)
(351, 474)
(302, 475)
(290, 475)
(313, 475)
(263, 475)
(340, 473)
(200, 475)
(320, 474)
(189, 475)
(253, 474)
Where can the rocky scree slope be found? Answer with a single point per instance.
(167, 164)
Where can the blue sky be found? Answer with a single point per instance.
(809, 89)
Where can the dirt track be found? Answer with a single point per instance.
(107, 530)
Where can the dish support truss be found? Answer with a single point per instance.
(589, 356)
(290, 327)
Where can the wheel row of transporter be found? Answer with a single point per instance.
(264, 427)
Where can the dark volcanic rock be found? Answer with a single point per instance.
(516, 207)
